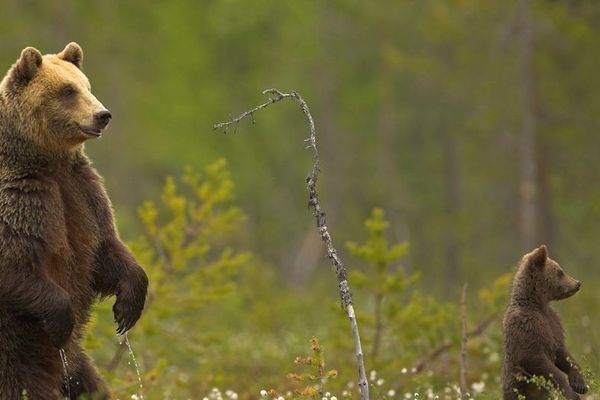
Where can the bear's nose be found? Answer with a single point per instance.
(578, 285)
(102, 118)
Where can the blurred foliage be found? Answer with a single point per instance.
(205, 324)
(188, 258)
(418, 107)
(412, 100)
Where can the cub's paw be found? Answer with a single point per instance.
(131, 296)
(577, 383)
(58, 323)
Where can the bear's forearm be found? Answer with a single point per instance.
(114, 263)
(566, 362)
(32, 292)
(542, 366)
(117, 273)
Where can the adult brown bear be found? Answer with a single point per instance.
(59, 249)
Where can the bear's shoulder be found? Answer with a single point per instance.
(525, 321)
(29, 206)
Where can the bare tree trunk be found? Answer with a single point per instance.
(313, 201)
(528, 190)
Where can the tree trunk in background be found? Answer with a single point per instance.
(547, 220)
(307, 258)
(59, 24)
(528, 188)
(386, 130)
(327, 91)
(452, 206)
(391, 189)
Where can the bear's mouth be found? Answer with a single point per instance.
(569, 292)
(88, 130)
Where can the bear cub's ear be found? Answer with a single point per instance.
(73, 54)
(27, 66)
(537, 258)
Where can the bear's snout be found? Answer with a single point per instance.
(102, 118)
(577, 285)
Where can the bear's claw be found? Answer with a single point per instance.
(577, 383)
(126, 313)
(130, 300)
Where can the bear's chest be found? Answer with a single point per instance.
(549, 334)
(75, 247)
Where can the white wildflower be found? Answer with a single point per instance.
(373, 375)
(478, 387)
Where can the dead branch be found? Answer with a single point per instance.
(447, 345)
(464, 394)
(117, 357)
(319, 214)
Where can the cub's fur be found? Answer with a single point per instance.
(534, 342)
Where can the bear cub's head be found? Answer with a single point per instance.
(51, 98)
(542, 277)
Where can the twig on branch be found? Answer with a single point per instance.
(319, 214)
(464, 394)
(447, 345)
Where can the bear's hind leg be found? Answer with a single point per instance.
(28, 362)
(85, 382)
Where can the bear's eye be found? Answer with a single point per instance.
(560, 273)
(68, 91)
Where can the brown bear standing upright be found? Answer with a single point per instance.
(59, 249)
(534, 343)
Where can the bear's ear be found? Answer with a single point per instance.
(537, 258)
(26, 66)
(73, 54)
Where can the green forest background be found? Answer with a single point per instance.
(466, 132)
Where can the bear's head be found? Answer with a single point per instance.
(51, 100)
(541, 279)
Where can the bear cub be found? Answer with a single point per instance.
(59, 248)
(534, 342)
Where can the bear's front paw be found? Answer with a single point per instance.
(131, 296)
(577, 383)
(58, 323)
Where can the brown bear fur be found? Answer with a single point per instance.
(534, 342)
(59, 249)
